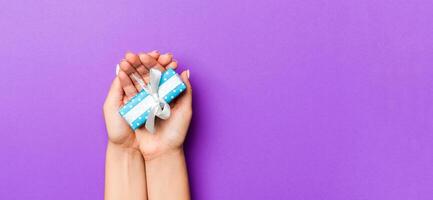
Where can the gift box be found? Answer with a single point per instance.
(136, 111)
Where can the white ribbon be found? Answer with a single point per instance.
(159, 107)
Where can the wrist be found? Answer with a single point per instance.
(163, 154)
(167, 171)
(119, 149)
(125, 174)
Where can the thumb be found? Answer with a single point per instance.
(115, 95)
(186, 98)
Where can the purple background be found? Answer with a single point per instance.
(298, 99)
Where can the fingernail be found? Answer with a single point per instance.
(187, 73)
(174, 60)
(156, 51)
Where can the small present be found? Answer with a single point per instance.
(152, 101)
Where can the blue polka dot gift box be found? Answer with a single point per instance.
(145, 105)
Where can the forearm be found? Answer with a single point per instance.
(167, 176)
(125, 176)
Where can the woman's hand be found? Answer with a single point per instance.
(170, 134)
(119, 132)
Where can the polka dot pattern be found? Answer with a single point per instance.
(174, 93)
(133, 102)
(140, 120)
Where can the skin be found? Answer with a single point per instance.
(140, 164)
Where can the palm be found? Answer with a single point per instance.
(169, 133)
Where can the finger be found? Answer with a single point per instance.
(142, 70)
(133, 59)
(126, 67)
(165, 59)
(149, 62)
(127, 85)
(155, 54)
(135, 62)
(173, 64)
(185, 100)
(115, 95)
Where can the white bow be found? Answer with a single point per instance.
(159, 107)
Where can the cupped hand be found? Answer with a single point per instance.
(170, 133)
